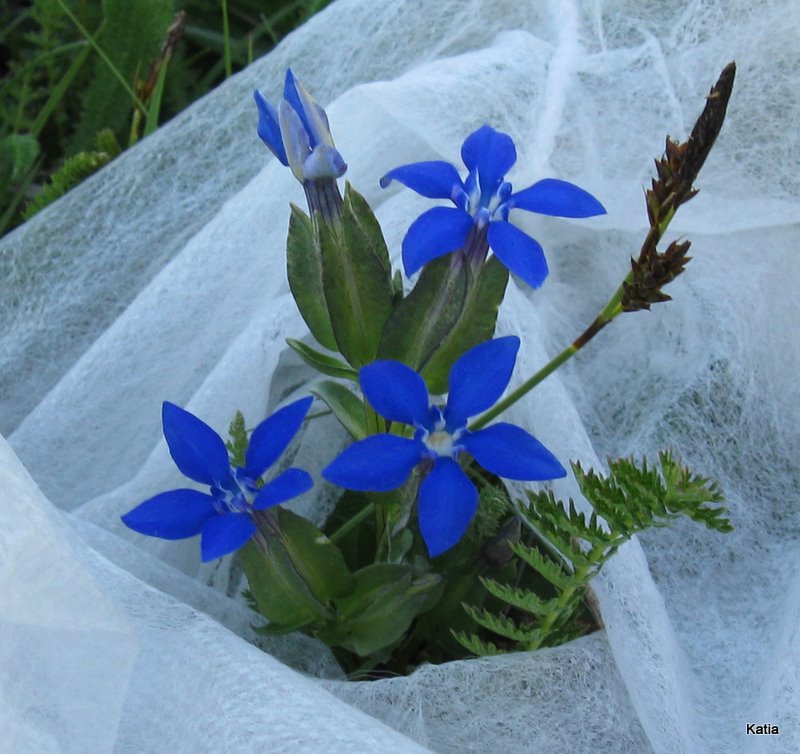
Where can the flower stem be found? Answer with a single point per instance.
(348, 526)
(611, 310)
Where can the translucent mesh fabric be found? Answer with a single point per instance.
(163, 278)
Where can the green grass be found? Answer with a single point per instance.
(79, 68)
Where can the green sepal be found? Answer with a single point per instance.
(356, 280)
(475, 324)
(304, 270)
(386, 598)
(424, 318)
(346, 406)
(293, 569)
(322, 362)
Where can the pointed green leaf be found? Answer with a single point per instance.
(475, 324)
(366, 227)
(304, 270)
(424, 318)
(346, 406)
(322, 362)
(386, 598)
(293, 569)
(356, 282)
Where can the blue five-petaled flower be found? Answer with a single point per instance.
(484, 199)
(223, 517)
(447, 498)
(298, 133)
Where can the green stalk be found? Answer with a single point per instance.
(226, 41)
(348, 526)
(611, 310)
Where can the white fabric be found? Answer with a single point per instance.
(162, 278)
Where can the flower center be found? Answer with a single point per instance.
(439, 441)
(236, 496)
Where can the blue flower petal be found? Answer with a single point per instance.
(313, 117)
(285, 486)
(435, 179)
(268, 128)
(519, 252)
(395, 391)
(198, 451)
(558, 198)
(224, 534)
(510, 452)
(447, 503)
(434, 233)
(479, 378)
(176, 514)
(378, 463)
(273, 435)
(491, 154)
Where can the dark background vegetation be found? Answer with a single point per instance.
(82, 80)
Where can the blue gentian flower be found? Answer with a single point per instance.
(298, 133)
(483, 203)
(447, 498)
(224, 517)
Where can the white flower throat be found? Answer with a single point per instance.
(440, 441)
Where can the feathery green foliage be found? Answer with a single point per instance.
(74, 170)
(567, 549)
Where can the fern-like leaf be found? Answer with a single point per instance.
(522, 599)
(502, 625)
(476, 645)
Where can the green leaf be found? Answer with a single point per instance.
(520, 598)
(548, 568)
(129, 40)
(346, 406)
(293, 569)
(322, 362)
(237, 444)
(386, 598)
(304, 270)
(475, 324)
(475, 645)
(18, 153)
(504, 626)
(367, 230)
(357, 283)
(424, 318)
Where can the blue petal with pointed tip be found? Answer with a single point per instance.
(395, 391)
(435, 179)
(268, 128)
(490, 153)
(558, 198)
(447, 503)
(478, 379)
(510, 452)
(521, 254)
(198, 451)
(224, 534)
(273, 435)
(287, 485)
(378, 463)
(433, 234)
(176, 514)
